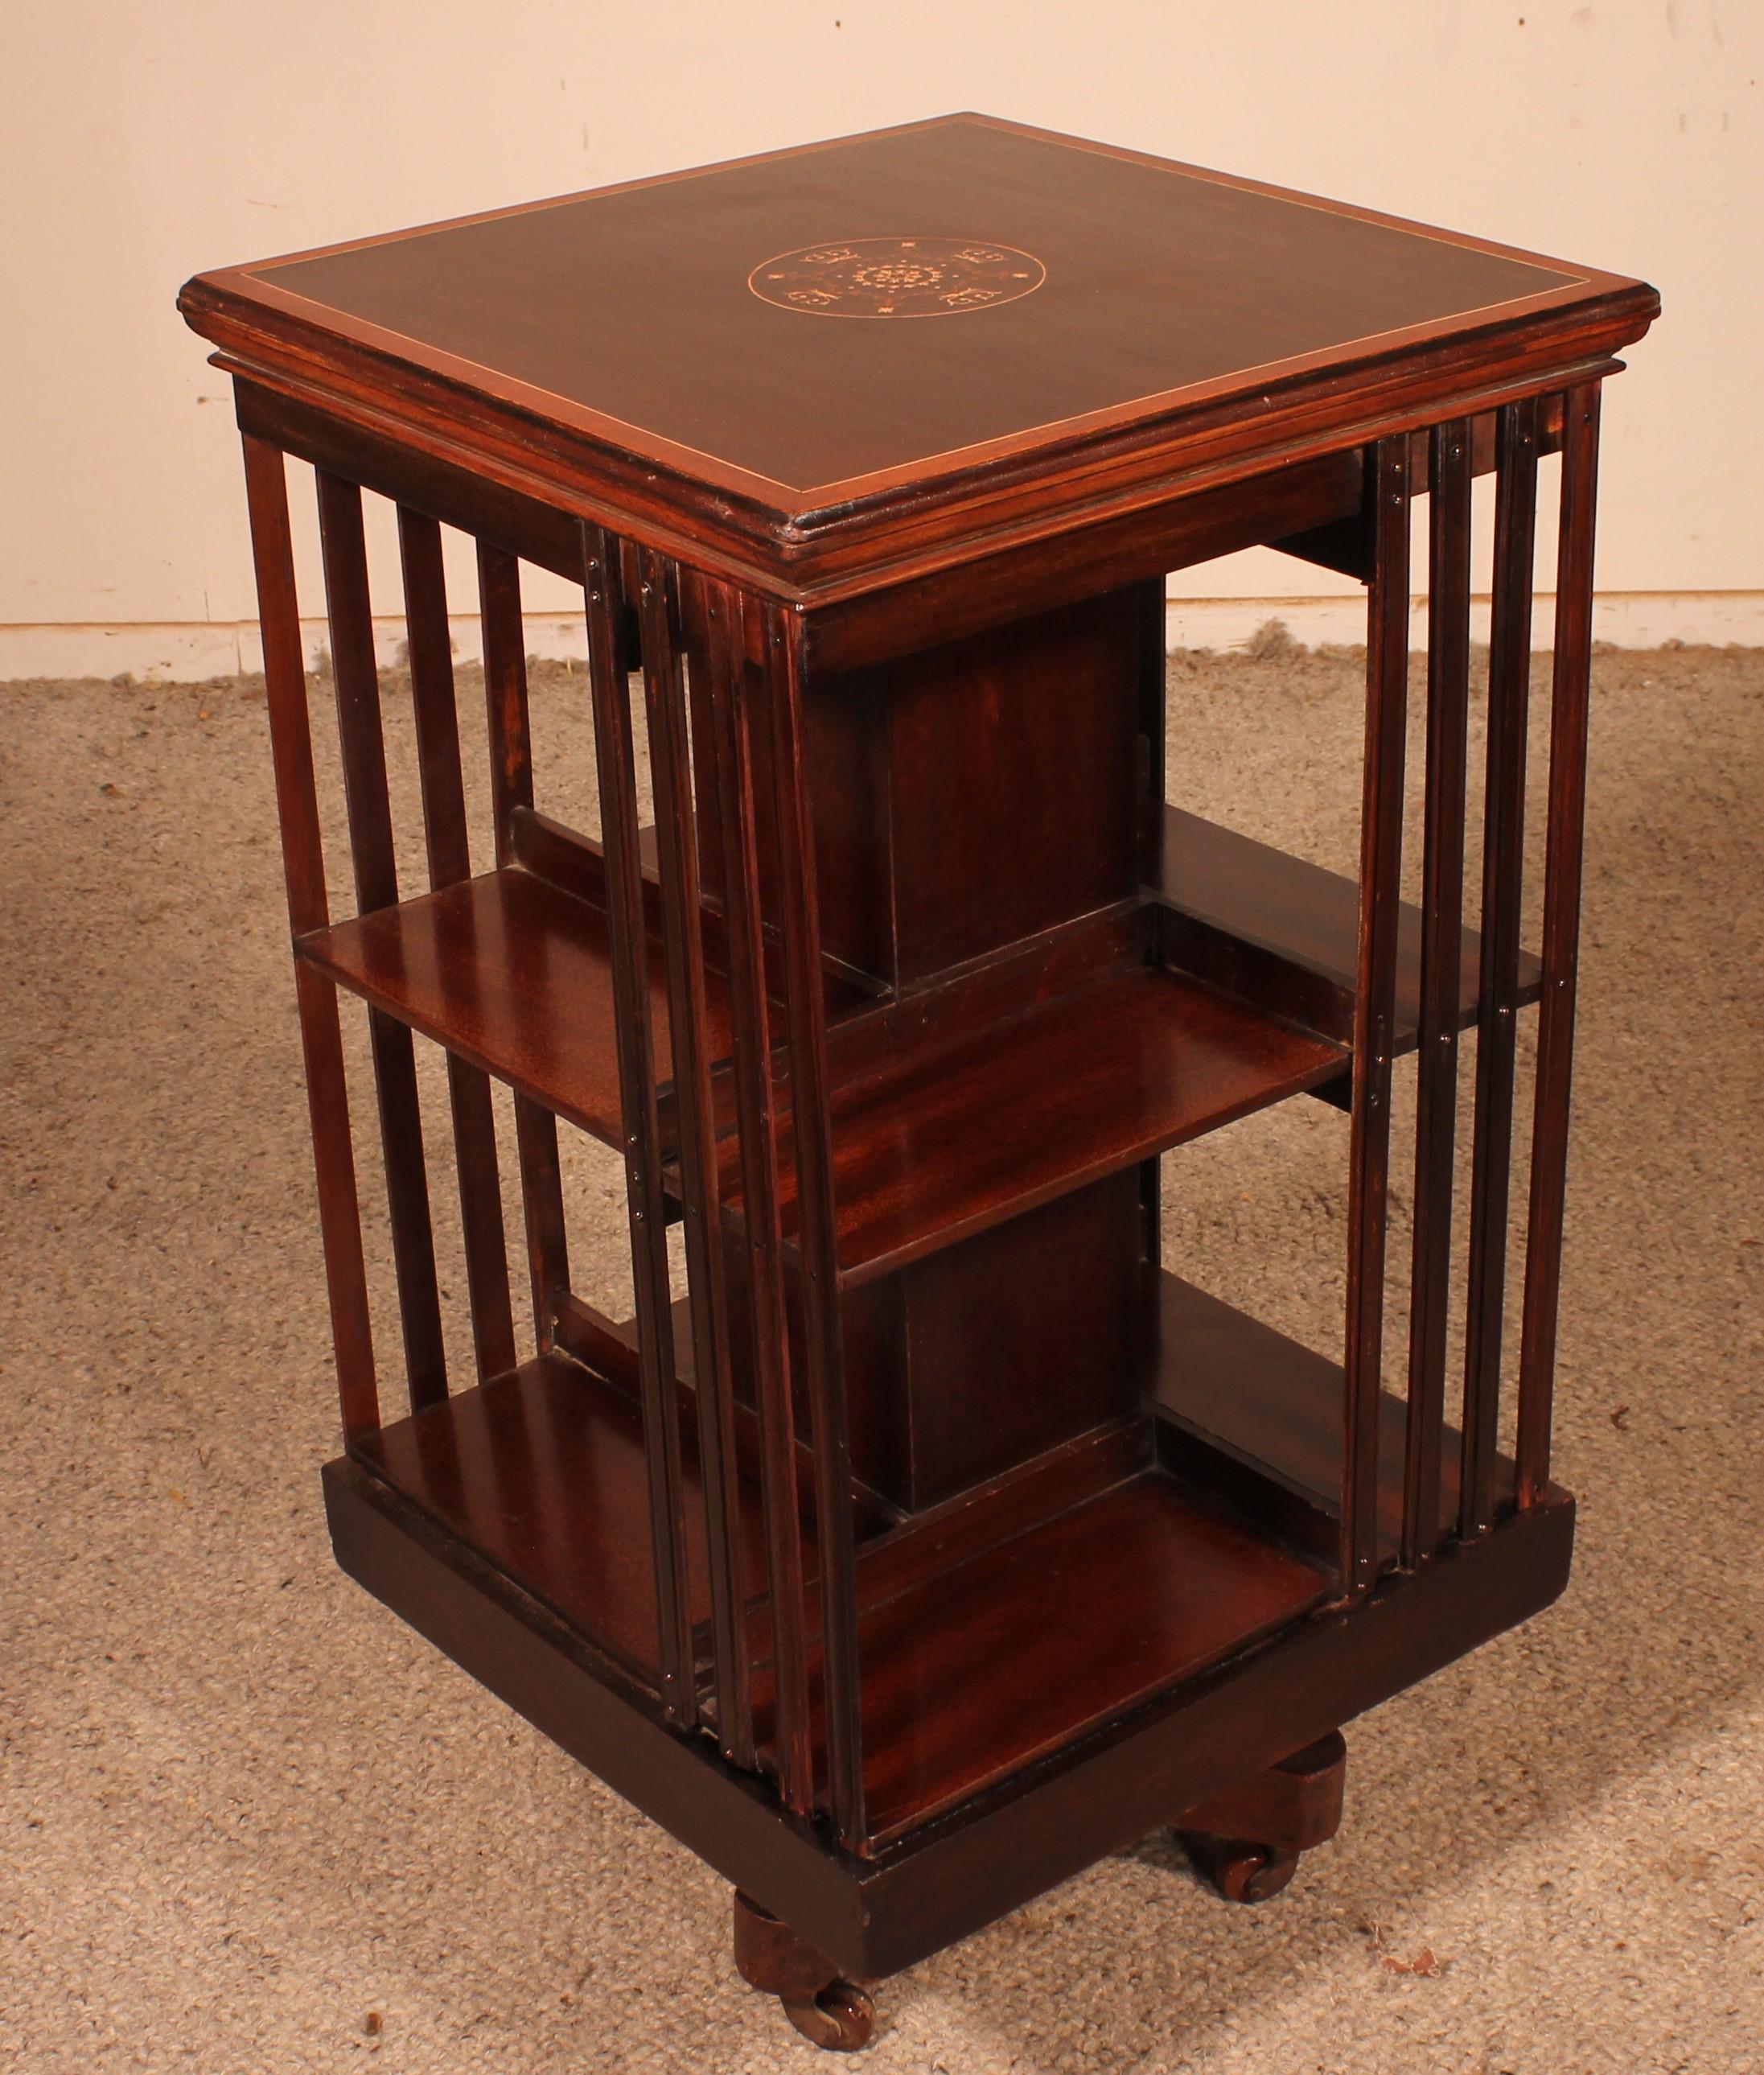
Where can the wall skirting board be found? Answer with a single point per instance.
(193, 652)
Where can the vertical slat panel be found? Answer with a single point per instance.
(1509, 677)
(303, 861)
(659, 608)
(505, 694)
(1570, 692)
(823, 1343)
(512, 788)
(1381, 860)
(1448, 696)
(355, 680)
(1153, 735)
(732, 737)
(436, 709)
(616, 768)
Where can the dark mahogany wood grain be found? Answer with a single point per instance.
(513, 975)
(875, 1917)
(1228, 1381)
(303, 859)
(938, 1145)
(1570, 698)
(1375, 988)
(935, 1542)
(1503, 861)
(1134, 1589)
(1443, 954)
(542, 1473)
(1337, 325)
(727, 695)
(1245, 897)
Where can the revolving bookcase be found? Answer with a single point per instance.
(937, 1541)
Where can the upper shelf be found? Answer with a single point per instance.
(514, 976)
(1226, 890)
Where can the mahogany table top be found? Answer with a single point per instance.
(820, 336)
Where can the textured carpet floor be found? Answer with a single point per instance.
(248, 1823)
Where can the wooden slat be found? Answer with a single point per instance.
(1155, 734)
(1448, 696)
(1510, 673)
(510, 793)
(731, 729)
(616, 765)
(1380, 858)
(355, 681)
(817, 1238)
(659, 609)
(505, 694)
(1569, 702)
(437, 713)
(303, 861)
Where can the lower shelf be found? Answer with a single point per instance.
(1245, 1392)
(972, 1673)
(541, 1473)
(873, 1916)
(993, 1630)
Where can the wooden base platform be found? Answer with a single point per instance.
(1115, 1570)
(874, 1917)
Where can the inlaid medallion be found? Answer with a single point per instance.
(897, 277)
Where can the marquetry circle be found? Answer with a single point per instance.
(897, 277)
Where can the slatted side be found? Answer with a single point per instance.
(308, 909)
(510, 789)
(1381, 861)
(642, 1147)
(1510, 670)
(823, 1345)
(729, 697)
(355, 681)
(1569, 702)
(660, 605)
(436, 709)
(1449, 696)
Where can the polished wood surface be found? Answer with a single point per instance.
(542, 1473)
(972, 1676)
(1218, 1376)
(1144, 291)
(935, 1541)
(1238, 898)
(673, 395)
(946, 1141)
(513, 975)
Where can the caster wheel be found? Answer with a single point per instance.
(1256, 1875)
(1241, 1872)
(840, 2018)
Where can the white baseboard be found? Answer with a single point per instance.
(191, 652)
(1626, 619)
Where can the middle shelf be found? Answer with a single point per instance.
(955, 1118)
(952, 1137)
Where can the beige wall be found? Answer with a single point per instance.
(139, 143)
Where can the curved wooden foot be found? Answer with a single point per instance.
(1246, 1840)
(828, 2010)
